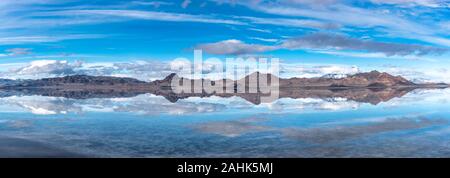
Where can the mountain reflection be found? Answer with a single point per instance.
(46, 101)
(360, 95)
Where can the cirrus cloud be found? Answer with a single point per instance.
(410, 3)
(18, 51)
(234, 47)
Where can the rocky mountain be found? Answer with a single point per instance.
(376, 78)
(372, 79)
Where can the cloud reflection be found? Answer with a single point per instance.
(149, 104)
(232, 128)
(340, 133)
(319, 135)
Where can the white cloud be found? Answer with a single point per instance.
(352, 16)
(10, 40)
(260, 30)
(18, 51)
(32, 18)
(410, 3)
(421, 74)
(48, 67)
(145, 15)
(146, 70)
(311, 2)
(265, 39)
(13, 52)
(142, 70)
(341, 42)
(185, 3)
(375, 55)
(316, 70)
(234, 47)
(41, 105)
(300, 23)
(155, 4)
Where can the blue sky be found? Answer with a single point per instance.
(40, 38)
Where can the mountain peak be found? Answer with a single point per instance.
(376, 78)
(375, 72)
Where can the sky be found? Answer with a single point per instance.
(48, 38)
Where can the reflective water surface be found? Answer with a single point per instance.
(413, 124)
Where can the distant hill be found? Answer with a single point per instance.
(84, 80)
(8, 82)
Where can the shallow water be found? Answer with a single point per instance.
(414, 125)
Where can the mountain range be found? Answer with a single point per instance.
(372, 79)
(371, 87)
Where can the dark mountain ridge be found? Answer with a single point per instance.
(79, 79)
(9, 82)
